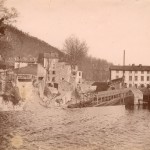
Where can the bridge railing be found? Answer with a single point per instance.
(105, 96)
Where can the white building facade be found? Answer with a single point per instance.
(134, 76)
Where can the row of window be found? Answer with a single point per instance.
(136, 78)
(141, 85)
(142, 72)
(141, 78)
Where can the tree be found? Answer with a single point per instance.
(6, 49)
(75, 50)
(6, 16)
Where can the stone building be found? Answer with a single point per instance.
(49, 61)
(27, 76)
(58, 71)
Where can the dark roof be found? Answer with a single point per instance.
(101, 86)
(130, 68)
(31, 69)
(49, 55)
(145, 91)
(116, 80)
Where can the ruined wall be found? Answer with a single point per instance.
(63, 72)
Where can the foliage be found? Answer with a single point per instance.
(95, 69)
(24, 45)
(5, 49)
(75, 50)
(12, 94)
(9, 15)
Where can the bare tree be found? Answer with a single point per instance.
(75, 50)
(7, 16)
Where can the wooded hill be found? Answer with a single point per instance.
(17, 43)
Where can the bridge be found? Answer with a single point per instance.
(112, 97)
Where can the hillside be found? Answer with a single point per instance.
(18, 43)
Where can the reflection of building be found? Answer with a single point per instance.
(133, 75)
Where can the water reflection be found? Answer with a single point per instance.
(141, 106)
(129, 107)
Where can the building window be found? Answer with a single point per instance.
(148, 78)
(130, 85)
(130, 78)
(136, 72)
(53, 72)
(148, 72)
(142, 72)
(142, 78)
(136, 78)
(74, 73)
(50, 84)
(56, 85)
(136, 85)
(53, 79)
(79, 73)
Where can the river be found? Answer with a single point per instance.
(95, 128)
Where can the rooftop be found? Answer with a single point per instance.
(101, 86)
(130, 68)
(116, 80)
(49, 55)
(31, 69)
(26, 59)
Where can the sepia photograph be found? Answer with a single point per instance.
(74, 74)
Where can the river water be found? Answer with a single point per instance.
(95, 128)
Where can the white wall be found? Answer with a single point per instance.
(41, 71)
(20, 64)
(25, 89)
(133, 74)
(79, 77)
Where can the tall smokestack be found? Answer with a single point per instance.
(123, 68)
(124, 58)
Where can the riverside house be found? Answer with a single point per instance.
(27, 76)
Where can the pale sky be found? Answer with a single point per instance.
(107, 26)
